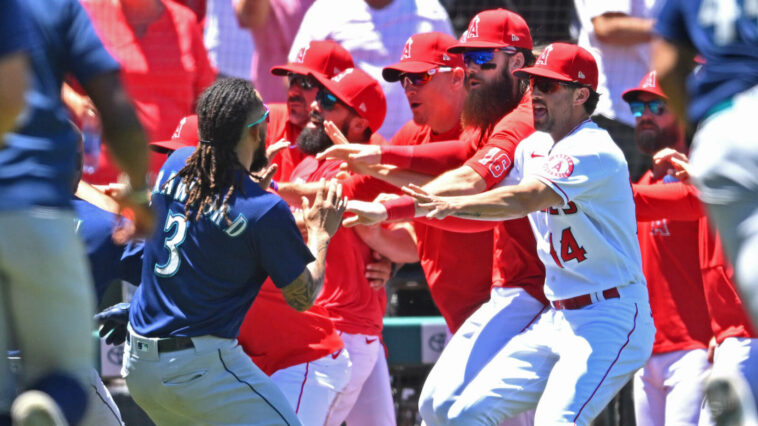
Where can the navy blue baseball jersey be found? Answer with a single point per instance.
(14, 29)
(725, 33)
(37, 166)
(108, 261)
(199, 277)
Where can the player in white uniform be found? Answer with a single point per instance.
(573, 182)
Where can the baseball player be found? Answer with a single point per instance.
(573, 182)
(354, 102)
(722, 96)
(14, 66)
(47, 296)
(669, 389)
(497, 43)
(287, 120)
(734, 335)
(220, 235)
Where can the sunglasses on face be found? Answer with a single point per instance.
(484, 57)
(657, 107)
(326, 99)
(303, 81)
(548, 85)
(420, 79)
(263, 117)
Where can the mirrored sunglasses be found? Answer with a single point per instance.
(421, 78)
(326, 99)
(656, 106)
(484, 56)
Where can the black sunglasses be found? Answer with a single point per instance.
(549, 85)
(326, 99)
(303, 81)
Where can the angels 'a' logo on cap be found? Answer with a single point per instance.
(407, 49)
(542, 60)
(649, 80)
(341, 75)
(580, 75)
(301, 54)
(559, 166)
(178, 130)
(473, 28)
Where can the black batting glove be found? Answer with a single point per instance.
(113, 323)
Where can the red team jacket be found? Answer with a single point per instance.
(671, 264)
(677, 201)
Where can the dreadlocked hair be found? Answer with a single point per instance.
(222, 114)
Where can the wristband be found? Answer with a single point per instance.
(273, 185)
(400, 208)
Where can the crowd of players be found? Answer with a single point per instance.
(259, 303)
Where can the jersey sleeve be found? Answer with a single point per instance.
(14, 28)
(366, 188)
(575, 176)
(675, 201)
(670, 23)
(432, 159)
(280, 247)
(494, 159)
(87, 55)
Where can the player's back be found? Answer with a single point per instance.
(725, 33)
(200, 275)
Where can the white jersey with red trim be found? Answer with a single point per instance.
(589, 244)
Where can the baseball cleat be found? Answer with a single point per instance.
(731, 402)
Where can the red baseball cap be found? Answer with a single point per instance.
(649, 84)
(423, 52)
(564, 62)
(360, 92)
(184, 135)
(326, 57)
(495, 28)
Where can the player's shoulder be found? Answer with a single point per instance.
(410, 134)
(519, 120)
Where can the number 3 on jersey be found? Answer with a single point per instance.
(178, 222)
(570, 249)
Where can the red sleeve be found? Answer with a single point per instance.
(430, 159)
(366, 188)
(675, 201)
(493, 160)
(463, 226)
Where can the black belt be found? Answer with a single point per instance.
(172, 344)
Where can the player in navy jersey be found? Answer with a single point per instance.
(219, 237)
(14, 64)
(721, 99)
(47, 296)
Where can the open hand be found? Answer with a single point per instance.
(275, 148)
(328, 206)
(438, 207)
(367, 154)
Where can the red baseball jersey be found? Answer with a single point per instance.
(164, 70)
(352, 304)
(678, 201)
(671, 264)
(276, 336)
(459, 280)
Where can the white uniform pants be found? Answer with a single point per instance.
(364, 351)
(669, 389)
(735, 356)
(46, 298)
(724, 164)
(213, 383)
(508, 312)
(311, 387)
(569, 364)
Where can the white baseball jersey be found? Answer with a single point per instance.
(589, 244)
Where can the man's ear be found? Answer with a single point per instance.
(458, 77)
(581, 95)
(357, 128)
(517, 61)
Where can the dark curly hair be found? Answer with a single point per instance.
(223, 111)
